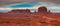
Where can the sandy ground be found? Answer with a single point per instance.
(33, 19)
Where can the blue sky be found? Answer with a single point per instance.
(25, 5)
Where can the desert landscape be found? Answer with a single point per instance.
(26, 18)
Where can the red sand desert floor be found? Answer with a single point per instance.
(33, 19)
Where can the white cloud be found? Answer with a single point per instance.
(6, 9)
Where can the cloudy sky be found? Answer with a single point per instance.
(7, 2)
(54, 3)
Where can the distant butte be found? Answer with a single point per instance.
(20, 11)
(42, 9)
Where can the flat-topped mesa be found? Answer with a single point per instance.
(20, 11)
(42, 9)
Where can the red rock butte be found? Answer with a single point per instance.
(20, 11)
(42, 9)
(25, 18)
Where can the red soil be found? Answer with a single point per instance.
(29, 20)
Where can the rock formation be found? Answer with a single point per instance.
(42, 9)
(20, 11)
